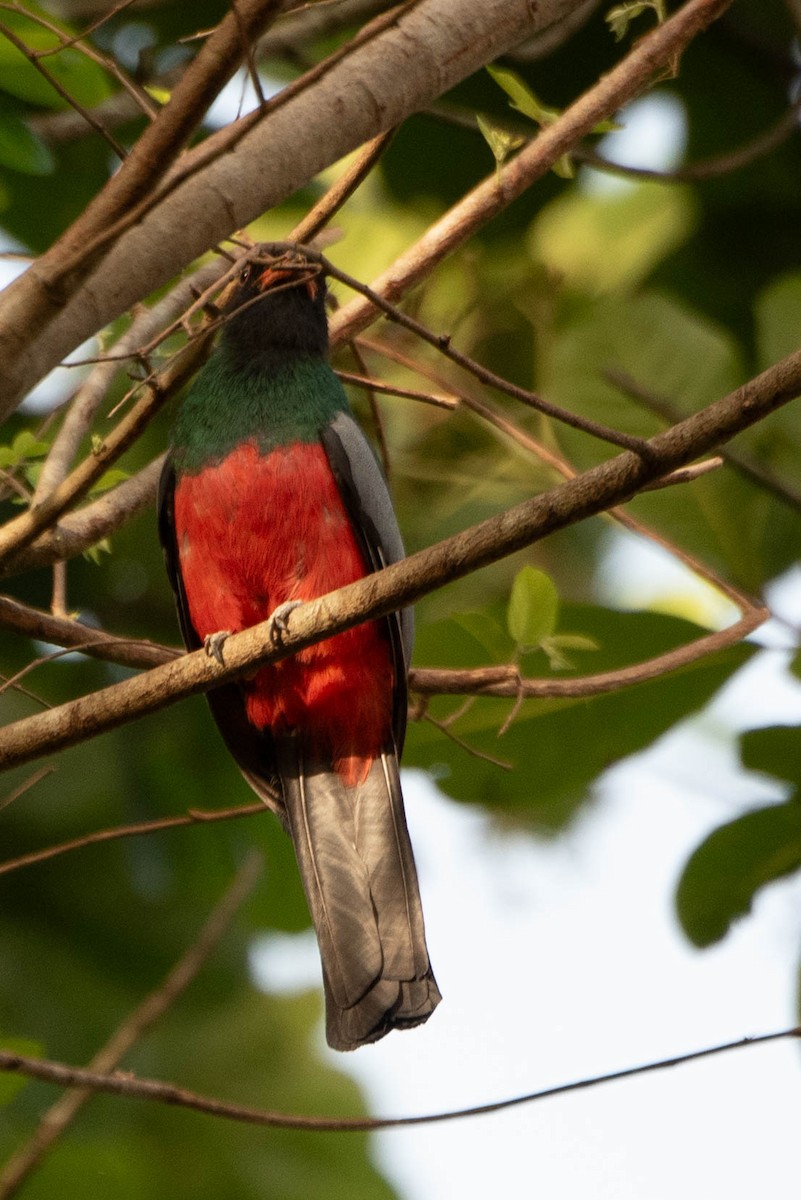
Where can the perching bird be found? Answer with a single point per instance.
(271, 494)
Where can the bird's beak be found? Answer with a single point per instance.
(271, 276)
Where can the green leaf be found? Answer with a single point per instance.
(555, 648)
(490, 635)
(775, 750)
(160, 95)
(11, 1084)
(96, 552)
(24, 446)
(524, 100)
(521, 96)
(82, 78)
(533, 607)
(619, 18)
(21, 149)
(720, 880)
(109, 480)
(550, 781)
(500, 141)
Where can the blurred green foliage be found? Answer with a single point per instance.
(686, 288)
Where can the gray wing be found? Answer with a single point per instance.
(364, 491)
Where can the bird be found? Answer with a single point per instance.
(270, 496)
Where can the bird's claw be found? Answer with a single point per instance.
(213, 644)
(279, 623)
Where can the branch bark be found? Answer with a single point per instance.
(611, 483)
(402, 69)
(37, 297)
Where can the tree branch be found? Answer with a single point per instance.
(611, 483)
(167, 1093)
(192, 817)
(661, 47)
(144, 1017)
(36, 297)
(391, 75)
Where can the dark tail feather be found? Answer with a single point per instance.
(358, 873)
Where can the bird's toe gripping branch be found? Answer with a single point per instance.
(213, 644)
(279, 621)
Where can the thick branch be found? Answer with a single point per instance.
(402, 69)
(612, 91)
(588, 494)
(37, 296)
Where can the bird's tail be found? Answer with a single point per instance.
(358, 873)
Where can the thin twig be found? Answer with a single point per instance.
(627, 80)
(57, 1118)
(24, 787)
(443, 727)
(375, 414)
(20, 532)
(167, 1093)
(139, 829)
(328, 205)
(506, 681)
(93, 391)
(611, 483)
(668, 411)
(392, 389)
(442, 343)
(752, 151)
(33, 59)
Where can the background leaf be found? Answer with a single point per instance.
(723, 875)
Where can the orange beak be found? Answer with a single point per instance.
(272, 275)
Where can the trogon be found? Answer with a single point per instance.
(271, 496)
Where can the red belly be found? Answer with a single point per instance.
(256, 530)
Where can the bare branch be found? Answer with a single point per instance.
(24, 787)
(167, 1093)
(663, 408)
(144, 1017)
(623, 83)
(193, 817)
(20, 532)
(34, 59)
(79, 531)
(750, 152)
(596, 490)
(506, 680)
(38, 295)
(442, 343)
(146, 323)
(415, 58)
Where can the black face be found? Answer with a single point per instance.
(278, 312)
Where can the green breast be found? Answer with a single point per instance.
(290, 402)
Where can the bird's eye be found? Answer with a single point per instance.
(244, 274)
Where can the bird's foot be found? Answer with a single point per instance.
(213, 644)
(279, 623)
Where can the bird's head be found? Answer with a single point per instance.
(276, 307)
